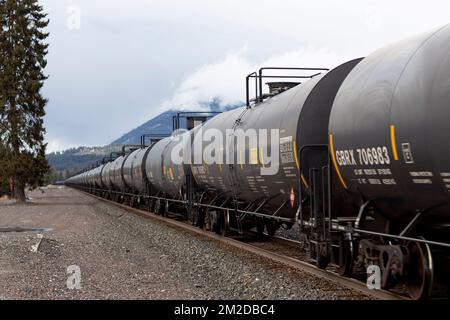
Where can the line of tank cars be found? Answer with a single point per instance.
(364, 167)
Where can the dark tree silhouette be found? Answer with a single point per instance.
(22, 60)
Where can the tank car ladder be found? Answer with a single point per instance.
(326, 245)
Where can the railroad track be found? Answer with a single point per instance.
(254, 248)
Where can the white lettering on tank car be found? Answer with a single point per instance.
(346, 158)
(374, 181)
(286, 150)
(422, 181)
(363, 156)
(384, 172)
(445, 174)
(446, 180)
(389, 182)
(421, 174)
(378, 155)
(370, 172)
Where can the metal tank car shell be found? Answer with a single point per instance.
(389, 128)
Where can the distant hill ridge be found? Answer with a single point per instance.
(162, 124)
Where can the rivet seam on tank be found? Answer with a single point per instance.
(394, 143)
(333, 157)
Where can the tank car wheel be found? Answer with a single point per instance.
(206, 219)
(201, 218)
(260, 226)
(322, 262)
(345, 265)
(165, 208)
(320, 259)
(157, 207)
(271, 227)
(420, 271)
(138, 202)
(224, 223)
(150, 205)
(194, 216)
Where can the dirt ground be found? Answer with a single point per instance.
(64, 244)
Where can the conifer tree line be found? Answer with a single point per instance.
(23, 51)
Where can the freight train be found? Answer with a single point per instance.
(361, 156)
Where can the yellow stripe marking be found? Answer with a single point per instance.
(241, 160)
(262, 157)
(254, 156)
(298, 165)
(304, 180)
(394, 143)
(296, 156)
(333, 157)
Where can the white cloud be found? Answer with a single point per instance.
(225, 79)
(221, 80)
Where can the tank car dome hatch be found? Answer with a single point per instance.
(279, 87)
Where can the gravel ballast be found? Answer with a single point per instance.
(124, 256)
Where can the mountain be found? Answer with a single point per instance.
(161, 124)
(68, 162)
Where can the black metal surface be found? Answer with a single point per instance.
(394, 105)
(301, 114)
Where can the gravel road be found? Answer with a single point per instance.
(124, 256)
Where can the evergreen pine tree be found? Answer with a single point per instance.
(22, 60)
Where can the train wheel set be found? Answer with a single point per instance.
(357, 157)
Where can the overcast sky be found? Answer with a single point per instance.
(114, 64)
